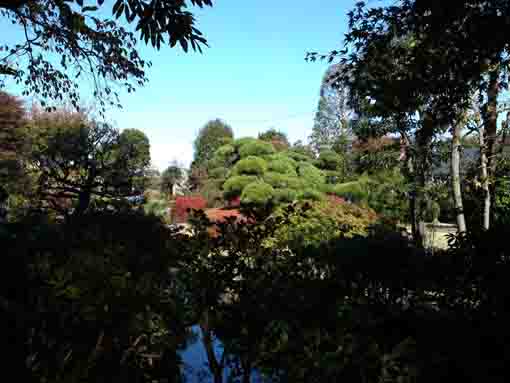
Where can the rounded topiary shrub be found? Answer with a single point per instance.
(285, 195)
(256, 148)
(257, 193)
(243, 141)
(311, 175)
(282, 164)
(250, 166)
(298, 157)
(330, 160)
(281, 181)
(234, 186)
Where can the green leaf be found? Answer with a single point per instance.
(89, 9)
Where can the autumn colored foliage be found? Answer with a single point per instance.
(183, 204)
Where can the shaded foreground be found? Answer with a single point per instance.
(95, 300)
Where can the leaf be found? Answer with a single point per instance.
(80, 2)
(184, 44)
(89, 9)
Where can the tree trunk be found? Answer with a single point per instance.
(215, 367)
(455, 169)
(485, 181)
(422, 169)
(246, 365)
(83, 202)
(407, 156)
(488, 158)
(491, 118)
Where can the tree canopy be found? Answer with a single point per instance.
(63, 42)
(211, 136)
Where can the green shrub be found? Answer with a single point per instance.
(243, 141)
(156, 207)
(234, 186)
(355, 190)
(257, 193)
(311, 194)
(251, 166)
(218, 173)
(282, 164)
(435, 211)
(330, 160)
(285, 195)
(224, 151)
(315, 223)
(298, 157)
(311, 175)
(256, 148)
(282, 181)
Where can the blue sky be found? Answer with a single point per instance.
(253, 76)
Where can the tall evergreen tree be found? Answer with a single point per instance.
(331, 130)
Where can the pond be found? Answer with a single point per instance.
(196, 369)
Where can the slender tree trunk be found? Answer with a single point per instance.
(491, 117)
(215, 367)
(422, 170)
(83, 202)
(246, 371)
(455, 170)
(408, 168)
(485, 181)
(488, 155)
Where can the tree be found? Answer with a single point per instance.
(170, 177)
(80, 161)
(254, 171)
(210, 137)
(13, 143)
(275, 137)
(134, 150)
(331, 129)
(65, 41)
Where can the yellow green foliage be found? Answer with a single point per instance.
(314, 223)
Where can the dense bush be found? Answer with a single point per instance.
(311, 175)
(218, 173)
(235, 185)
(257, 193)
(311, 194)
(78, 295)
(285, 195)
(250, 165)
(282, 181)
(256, 148)
(282, 164)
(330, 160)
(243, 141)
(316, 223)
(225, 151)
(299, 157)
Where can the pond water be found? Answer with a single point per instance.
(196, 368)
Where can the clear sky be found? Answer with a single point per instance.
(253, 76)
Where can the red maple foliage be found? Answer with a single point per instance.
(183, 204)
